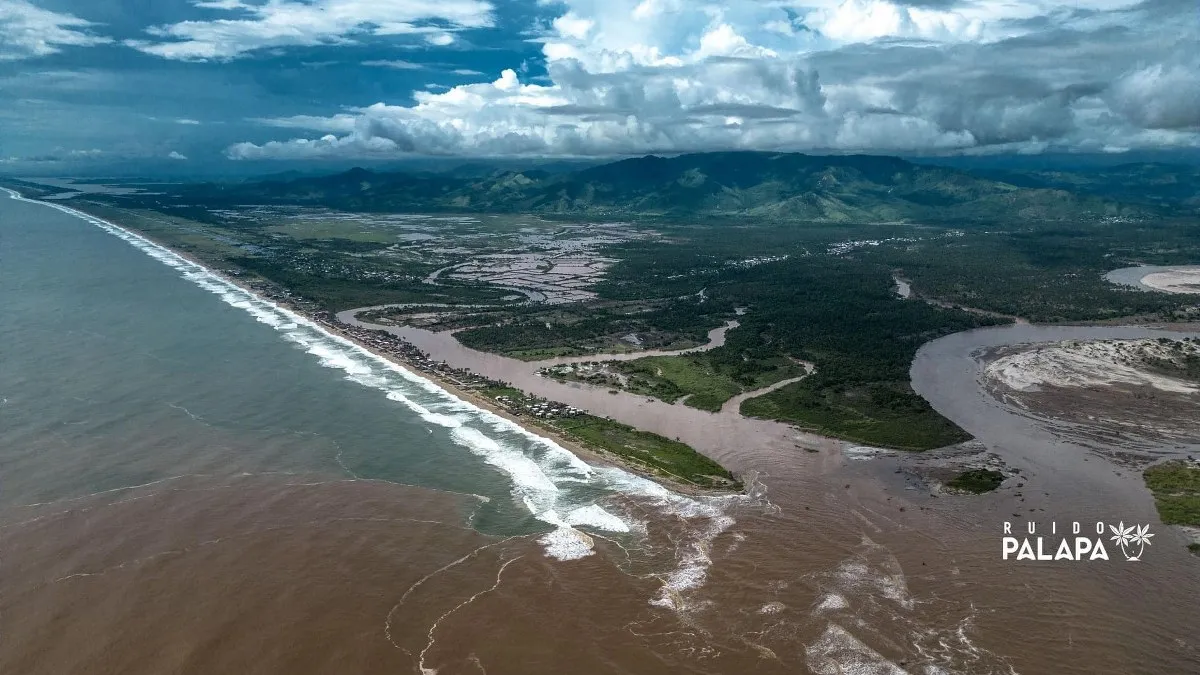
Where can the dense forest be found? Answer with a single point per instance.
(843, 316)
(803, 251)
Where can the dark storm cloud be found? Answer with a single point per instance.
(582, 77)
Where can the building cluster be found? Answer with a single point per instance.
(537, 407)
(402, 350)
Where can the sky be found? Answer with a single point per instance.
(290, 82)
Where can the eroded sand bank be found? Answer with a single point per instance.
(1090, 364)
(1179, 280)
(1173, 279)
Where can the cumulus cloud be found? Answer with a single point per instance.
(861, 20)
(1160, 96)
(176, 155)
(285, 23)
(637, 76)
(27, 31)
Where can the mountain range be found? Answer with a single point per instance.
(766, 186)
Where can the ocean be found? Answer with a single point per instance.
(129, 371)
(194, 480)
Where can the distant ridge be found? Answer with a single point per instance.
(761, 185)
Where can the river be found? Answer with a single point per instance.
(198, 481)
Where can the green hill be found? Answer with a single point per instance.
(765, 186)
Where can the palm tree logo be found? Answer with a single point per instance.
(1131, 538)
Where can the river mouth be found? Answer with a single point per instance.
(1052, 476)
(327, 567)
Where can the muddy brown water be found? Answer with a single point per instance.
(1079, 618)
(184, 491)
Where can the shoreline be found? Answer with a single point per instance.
(287, 302)
(584, 450)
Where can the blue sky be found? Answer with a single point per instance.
(212, 82)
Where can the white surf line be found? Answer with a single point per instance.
(610, 478)
(429, 645)
(185, 263)
(181, 263)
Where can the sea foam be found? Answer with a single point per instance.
(540, 471)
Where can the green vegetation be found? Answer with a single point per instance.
(336, 290)
(1151, 184)
(808, 245)
(540, 332)
(707, 383)
(779, 187)
(1045, 274)
(680, 376)
(346, 268)
(1181, 360)
(651, 450)
(653, 453)
(840, 314)
(977, 481)
(1176, 489)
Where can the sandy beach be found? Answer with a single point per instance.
(1165, 279)
(588, 452)
(1177, 280)
(585, 451)
(827, 565)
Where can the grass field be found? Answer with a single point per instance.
(657, 454)
(652, 450)
(1176, 489)
(883, 414)
(670, 378)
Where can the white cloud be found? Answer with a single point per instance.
(177, 156)
(186, 121)
(393, 64)
(569, 25)
(27, 31)
(863, 20)
(341, 123)
(637, 76)
(1160, 96)
(723, 40)
(282, 23)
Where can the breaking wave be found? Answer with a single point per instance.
(557, 487)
